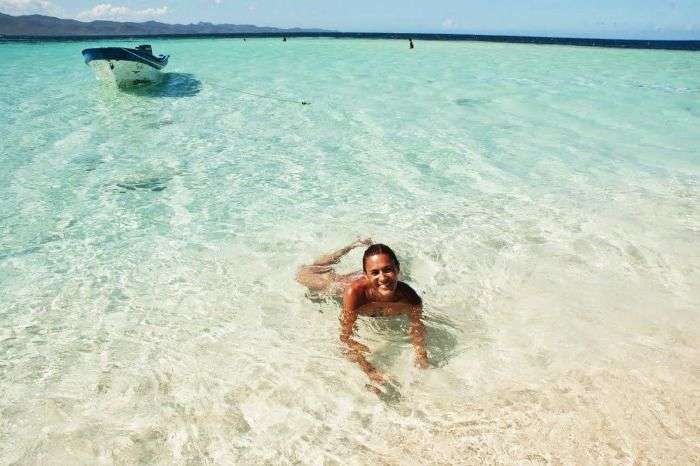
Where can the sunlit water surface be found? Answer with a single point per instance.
(544, 200)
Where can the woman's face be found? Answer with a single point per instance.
(382, 275)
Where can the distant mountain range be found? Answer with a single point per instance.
(39, 25)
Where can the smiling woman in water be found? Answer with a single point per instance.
(374, 292)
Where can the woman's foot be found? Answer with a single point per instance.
(359, 241)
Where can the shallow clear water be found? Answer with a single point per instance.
(544, 200)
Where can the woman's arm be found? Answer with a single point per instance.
(355, 349)
(417, 331)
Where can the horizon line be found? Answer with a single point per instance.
(314, 30)
(649, 44)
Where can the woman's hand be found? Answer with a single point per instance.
(422, 362)
(357, 346)
(376, 376)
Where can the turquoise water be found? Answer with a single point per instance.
(542, 199)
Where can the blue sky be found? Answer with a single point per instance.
(652, 19)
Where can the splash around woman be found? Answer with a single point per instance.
(374, 292)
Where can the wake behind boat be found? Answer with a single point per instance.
(125, 66)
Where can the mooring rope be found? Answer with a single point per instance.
(262, 96)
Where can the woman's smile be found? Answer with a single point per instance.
(382, 274)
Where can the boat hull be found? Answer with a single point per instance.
(124, 73)
(124, 66)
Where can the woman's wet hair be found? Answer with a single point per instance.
(379, 248)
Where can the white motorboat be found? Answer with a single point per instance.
(125, 66)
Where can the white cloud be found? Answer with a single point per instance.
(121, 13)
(28, 7)
(449, 23)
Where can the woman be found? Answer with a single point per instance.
(374, 292)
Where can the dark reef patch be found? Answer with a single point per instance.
(153, 184)
(467, 102)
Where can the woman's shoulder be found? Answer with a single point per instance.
(356, 287)
(408, 294)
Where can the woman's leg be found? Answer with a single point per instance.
(335, 256)
(320, 275)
